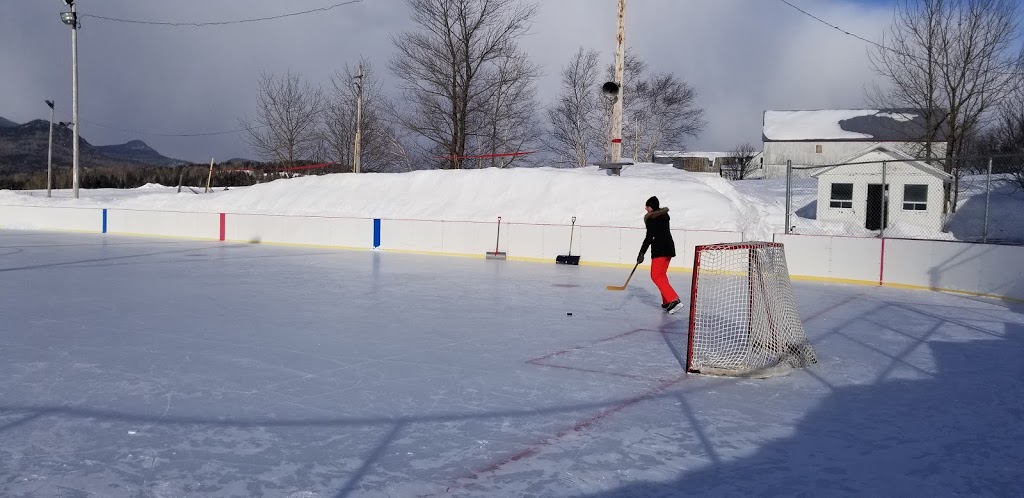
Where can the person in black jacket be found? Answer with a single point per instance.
(663, 249)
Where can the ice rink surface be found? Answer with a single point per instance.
(152, 367)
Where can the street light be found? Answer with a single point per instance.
(49, 153)
(71, 19)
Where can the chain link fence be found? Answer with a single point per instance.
(971, 199)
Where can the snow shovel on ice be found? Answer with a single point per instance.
(617, 288)
(569, 259)
(496, 254)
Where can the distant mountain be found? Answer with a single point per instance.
(6, 123)
(137, 151)
(24, 148)
(240, 160)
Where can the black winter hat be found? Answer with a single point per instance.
(653, 203)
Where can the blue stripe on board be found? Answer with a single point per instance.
(376, 233)
(104, 221)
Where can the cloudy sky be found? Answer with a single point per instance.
(140, 81)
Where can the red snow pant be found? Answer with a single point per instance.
(659, 266)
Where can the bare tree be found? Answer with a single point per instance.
(576, 129)
(447, 68)
(1009, 127)
(509, 116)
(741, 164)
(381, 150)
(664, 114)
(953, 60)
(286, 126)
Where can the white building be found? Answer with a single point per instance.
(827, 137)
(853, 194)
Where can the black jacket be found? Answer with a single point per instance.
(659, 238)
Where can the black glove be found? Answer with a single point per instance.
(640, 258)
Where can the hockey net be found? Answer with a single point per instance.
(743, 318)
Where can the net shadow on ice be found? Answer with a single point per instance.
(951, 432)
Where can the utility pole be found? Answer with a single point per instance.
(49, 153)
(357, 147)
(71, 19)
(620, 67)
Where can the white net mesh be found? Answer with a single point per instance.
(743, 319)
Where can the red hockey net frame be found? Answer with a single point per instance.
(743, 318)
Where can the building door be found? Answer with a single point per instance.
(877, 210)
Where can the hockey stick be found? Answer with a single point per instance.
(617, 288)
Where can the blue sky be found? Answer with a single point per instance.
(743, 56)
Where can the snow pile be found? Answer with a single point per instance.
(698, 201)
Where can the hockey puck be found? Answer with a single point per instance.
(568, 314)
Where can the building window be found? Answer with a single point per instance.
(842, 196)
(915, 197)
(817, 149)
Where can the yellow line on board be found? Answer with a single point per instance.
(902, 286)
(66, 230)
(161, 236)
(953, 291)
(832, 280)
(295, 244)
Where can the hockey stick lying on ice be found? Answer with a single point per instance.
(616, 287)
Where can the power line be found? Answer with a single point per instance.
(872, 42)
(154, 134)
(220, 23)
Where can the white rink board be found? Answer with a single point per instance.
(855, 258)
(164, 223)
(524, 241)
(686, 245)
(936, 265)
(972, 268)
(1002, 273)
(467, 238)
(338, 232)
(808, 255)
(51, 218)
(412, 235)
(599, 245)
(840, 258)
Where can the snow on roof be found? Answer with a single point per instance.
(856, 125)
(677, 153)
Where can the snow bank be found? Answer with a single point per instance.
(698, 201)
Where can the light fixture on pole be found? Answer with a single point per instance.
(49, 153)
(71, 19)
(357, 148)
(613, 89)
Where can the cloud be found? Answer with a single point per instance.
(742, 56)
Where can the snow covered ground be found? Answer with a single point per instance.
(698, 201)
(142, 367)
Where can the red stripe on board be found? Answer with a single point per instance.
(222, 226)
(488, 156)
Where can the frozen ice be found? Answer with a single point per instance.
(153, 367)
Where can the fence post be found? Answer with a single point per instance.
(882, 212)
(789, 194)
(988, 192)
